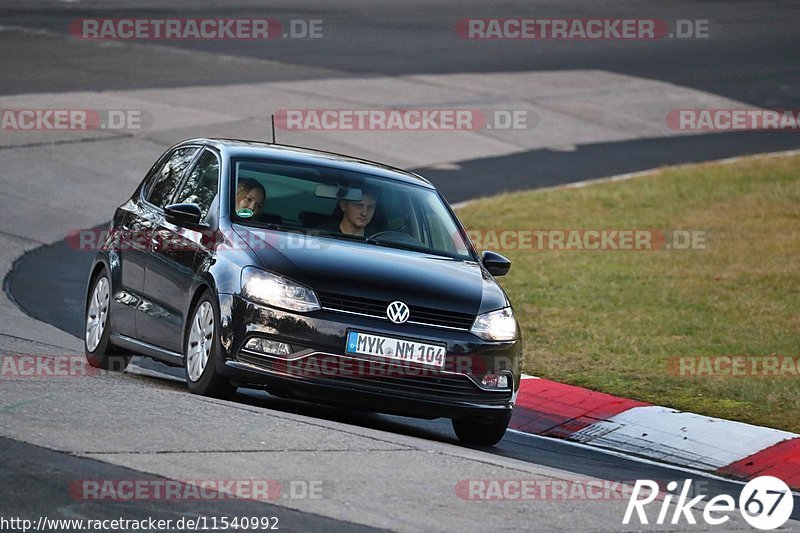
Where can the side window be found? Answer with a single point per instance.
(168, 178)
(202, 184)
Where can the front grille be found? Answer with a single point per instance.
(379, 376)
(364, 306)
(377, 309)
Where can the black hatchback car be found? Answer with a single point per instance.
(309, 274)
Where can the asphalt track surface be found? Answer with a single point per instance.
(751, 57)
(38, 474)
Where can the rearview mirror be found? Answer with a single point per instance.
(496, 264)
(183, 213)
(338, 192)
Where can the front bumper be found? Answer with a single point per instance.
(319, 370)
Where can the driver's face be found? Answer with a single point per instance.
(359, 214)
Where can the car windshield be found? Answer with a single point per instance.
(345, 205)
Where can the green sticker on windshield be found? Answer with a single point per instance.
(244, 212)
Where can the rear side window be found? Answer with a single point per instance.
(202, 184)
(169, 176)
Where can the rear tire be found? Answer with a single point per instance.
(481, 431)
(202, 349)
(100, 353)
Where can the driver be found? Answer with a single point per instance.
(356, 215)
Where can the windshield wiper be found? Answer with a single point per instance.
(403, 246)
(388, 244)
(279, 227)
(361, 238)
(339, 235)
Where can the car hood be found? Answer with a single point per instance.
(376, 272)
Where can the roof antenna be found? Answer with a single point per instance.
(273, 128)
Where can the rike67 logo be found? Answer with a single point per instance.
(765, 503)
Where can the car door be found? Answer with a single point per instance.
(134, 231)
(170, 261)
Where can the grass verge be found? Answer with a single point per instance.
(614, 321)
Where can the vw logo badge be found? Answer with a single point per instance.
(397, 312)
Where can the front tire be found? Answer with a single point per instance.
(202, 350)
(481, 431)
(96, 340)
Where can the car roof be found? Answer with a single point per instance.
(239, 148)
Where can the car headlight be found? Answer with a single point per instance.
(270, 289)
(496, 326)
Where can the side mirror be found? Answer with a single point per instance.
(496, 264)
(183, 213)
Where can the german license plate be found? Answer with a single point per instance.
(396, 349)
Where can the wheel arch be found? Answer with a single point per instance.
(199, 287)
(100, 263)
